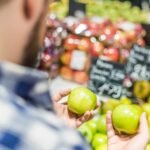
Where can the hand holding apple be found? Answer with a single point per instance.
(136, 142)
(126, 118)
(81, 100)
(69, 118)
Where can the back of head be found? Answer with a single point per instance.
(21, 29)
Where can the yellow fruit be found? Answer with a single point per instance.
(141, 89)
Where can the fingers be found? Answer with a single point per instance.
(98, 104)
(110, 128)
(61, 94)
(87, 116)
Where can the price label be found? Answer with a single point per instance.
(106, 78)
(78, 60)
(138, 68)
(138, 65)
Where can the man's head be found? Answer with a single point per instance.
(22, 30)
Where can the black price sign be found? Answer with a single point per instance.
(106, 78)
(138, 66)
(75, 7)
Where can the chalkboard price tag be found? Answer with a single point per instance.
(75, 7)
(138, 65)
(106, 78)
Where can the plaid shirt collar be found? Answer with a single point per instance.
(29, 84)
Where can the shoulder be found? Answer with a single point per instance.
(27, 127)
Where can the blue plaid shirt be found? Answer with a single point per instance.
(27, 119)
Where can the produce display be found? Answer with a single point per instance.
(115, 10)
(56, 32)
(91, 38)
(110, 41)
(125, 119)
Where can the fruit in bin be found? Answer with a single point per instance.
(92, 124)
(126, 119)
(102, 147)
(101, 124)
(70, 42)
(95, 28)
(99, 139)
(80, 77)
(81, 100)
(138, 107)
(66, 73)
(84, 44)
(96, 49)
(66, 58)
(109, 105)
(85, 130)
(120, 40)
(109, 32)
(125, 100)
(141, 89)
(131, 36)
(148, 147)
(111, 54)
(146, 108)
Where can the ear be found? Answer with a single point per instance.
(32, 8)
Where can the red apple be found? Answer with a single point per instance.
(70, 42)
(97, 49)
(131, 36)
(139, 30)
(84, 44)
(110, 32)
(66, 73)
(112, 54)
(80, 77)
(95, 28)
(66, 58)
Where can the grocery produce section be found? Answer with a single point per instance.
(105, 51)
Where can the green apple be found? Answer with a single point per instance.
(99, 139)
(85, 130)
(125, 100)
(81, 100)
(101, 124)
(92, 125)
(102, 147)
(146, 108)
(110, 105)
(148, 147)
(138, 107)
(126, 118)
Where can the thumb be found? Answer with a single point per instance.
(143, 128)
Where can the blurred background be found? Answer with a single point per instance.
(100, 44)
